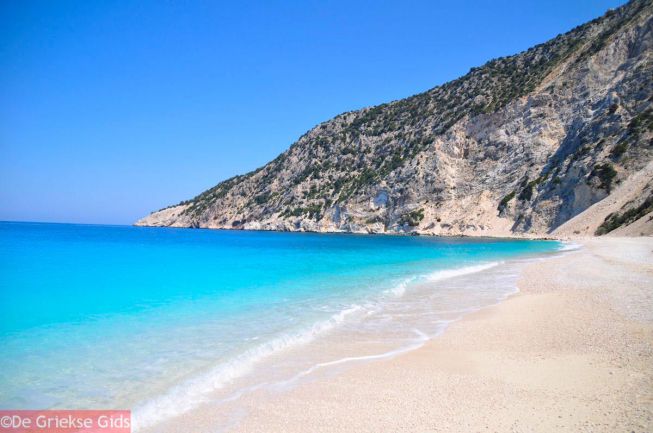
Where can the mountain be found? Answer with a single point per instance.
(557, 139)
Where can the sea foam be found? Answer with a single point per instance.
(188, 395)
(569, 246)
(457, 272)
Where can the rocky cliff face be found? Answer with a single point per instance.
(519, 145)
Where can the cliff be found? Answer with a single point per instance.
(521, 145)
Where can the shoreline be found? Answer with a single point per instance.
(571, 351)
(513, 236)
(349, 344)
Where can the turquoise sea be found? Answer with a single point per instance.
(159, 319)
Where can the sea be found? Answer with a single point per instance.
(163, 320)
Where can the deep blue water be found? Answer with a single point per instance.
(102, 315)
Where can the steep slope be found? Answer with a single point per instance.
(628, 202)
(519, 145)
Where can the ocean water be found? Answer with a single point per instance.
(165, 320)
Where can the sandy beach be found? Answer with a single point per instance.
(573, 351)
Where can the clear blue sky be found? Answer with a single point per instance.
(112, 109)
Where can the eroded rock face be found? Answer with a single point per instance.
(520, 145)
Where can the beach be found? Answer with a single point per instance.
(339, 333)
(182, 325)
(219, 217)
(573, 351)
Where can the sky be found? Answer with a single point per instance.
(112, 109)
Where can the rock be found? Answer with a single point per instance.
(533, 127)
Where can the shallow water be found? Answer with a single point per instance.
(163, 320)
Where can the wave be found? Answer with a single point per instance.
(191, 393)
(419, 342)
(400, 289)
(422, 338)
(451, 273)
(569, 246)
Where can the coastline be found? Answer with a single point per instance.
(572, 351)
(481, 235)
